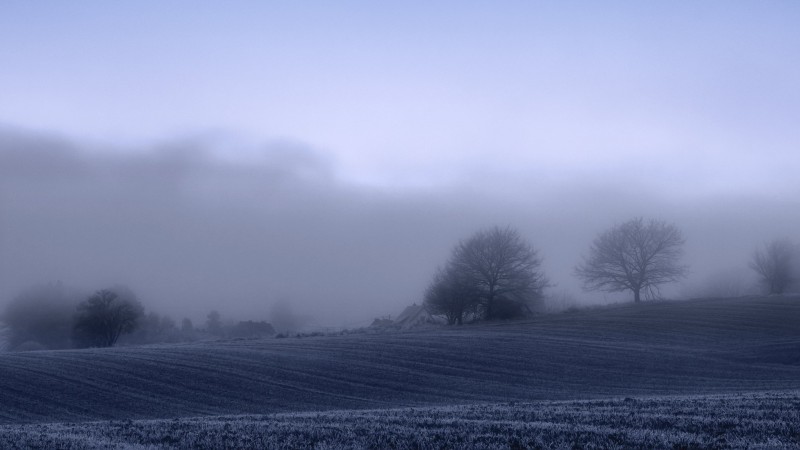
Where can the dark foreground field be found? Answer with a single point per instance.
(668, 348)
(764, 420)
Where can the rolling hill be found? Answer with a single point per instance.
(664, 348)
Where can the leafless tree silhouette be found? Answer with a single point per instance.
(774, 265)
(500, 270)
(452, 295)
(104, 316)
(636, 255)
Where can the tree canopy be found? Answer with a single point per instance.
(495, 272)
(106, 315)
(636, 255)
(774, 265)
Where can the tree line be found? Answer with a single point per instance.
(497, 274)
(53, 316)
(494, 274)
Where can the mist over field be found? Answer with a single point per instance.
(191, 229)
(350, 224)
(328, 158)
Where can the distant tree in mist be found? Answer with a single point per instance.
(167, 324)
(216, 327)
(774, 264)
(41, 316)
(105, 316)
(722, 283)
(451, 295)
(495, 271)
(149, 326)
(252, 329)
(634, 256)
(214, 323)
(154, 328)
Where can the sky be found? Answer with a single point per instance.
(331, 154)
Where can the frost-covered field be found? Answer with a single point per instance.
(678, 363)
(761, 420)
(679, 348)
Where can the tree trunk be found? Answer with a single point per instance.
(490, 302)
(636, 298)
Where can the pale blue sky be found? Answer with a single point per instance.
(428, 92)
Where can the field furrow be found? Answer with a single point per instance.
(666, 348)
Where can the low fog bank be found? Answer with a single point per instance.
(191, 231)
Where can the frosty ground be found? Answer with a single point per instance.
(764, 420)
(680, 365)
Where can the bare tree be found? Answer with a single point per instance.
(451, 295)
(637, 256)
(106, 315)
(774, 265)
(503, 269)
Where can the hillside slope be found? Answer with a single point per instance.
(693, 347)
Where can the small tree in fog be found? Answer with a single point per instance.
(105, 316)
(635, 256)
(149, 328)
(214, 323)
(451, 295)
(774, 265)
(495, 270)
(504, 268)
